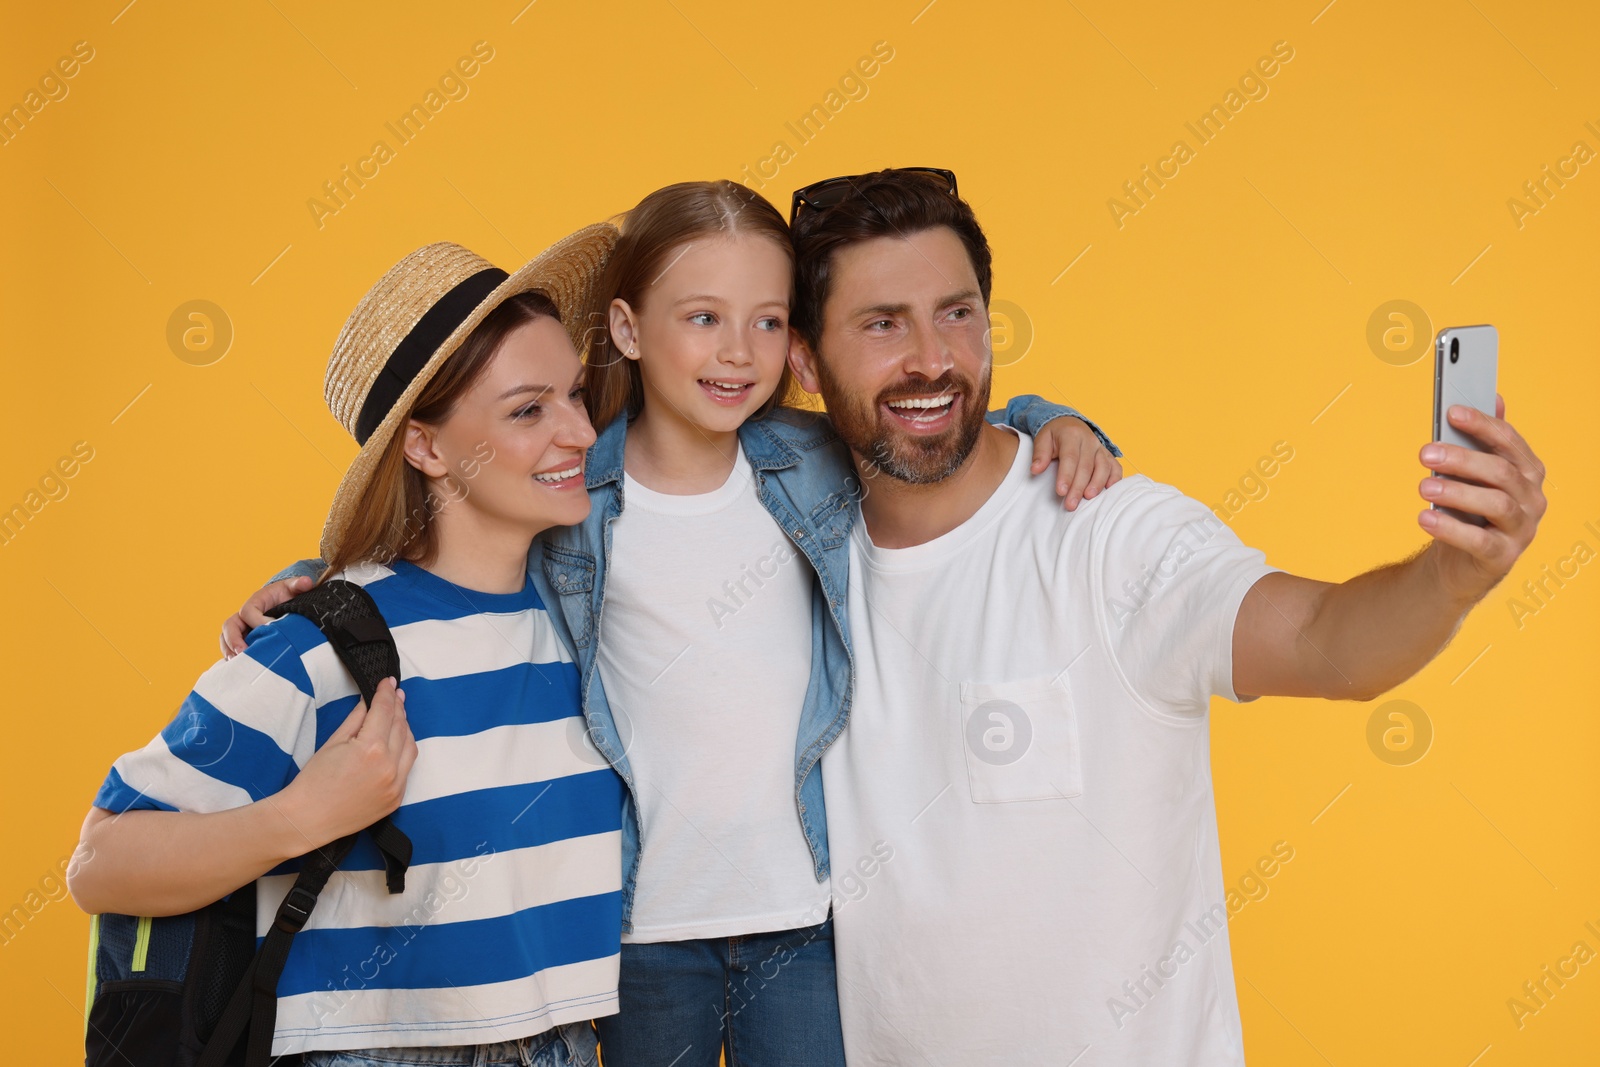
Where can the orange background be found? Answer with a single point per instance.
(1227, 314)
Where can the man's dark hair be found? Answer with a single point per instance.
(885, 203)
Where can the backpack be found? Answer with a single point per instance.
(193, 990)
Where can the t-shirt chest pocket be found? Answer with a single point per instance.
(1020, 740)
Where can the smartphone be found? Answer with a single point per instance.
(1465, 364)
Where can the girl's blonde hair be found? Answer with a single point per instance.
(663, 222)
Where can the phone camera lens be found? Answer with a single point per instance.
(1455, 349)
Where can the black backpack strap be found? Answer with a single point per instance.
(395, 847)
(255, 1002)
(348, 616)
(355, 629)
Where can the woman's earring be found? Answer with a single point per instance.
(630, 354)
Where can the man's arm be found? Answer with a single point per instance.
(1357, 639)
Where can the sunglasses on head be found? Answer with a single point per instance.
(821, 195)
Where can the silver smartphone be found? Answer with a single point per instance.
(1465, 364)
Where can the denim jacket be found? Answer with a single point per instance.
(805, 479)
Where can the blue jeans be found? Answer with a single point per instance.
(572, 1045)
(769, 999)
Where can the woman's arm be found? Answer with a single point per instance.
(145, 862)
(170, 862)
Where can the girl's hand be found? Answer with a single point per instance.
(253, 613)
(358, 776)
(1085, 465)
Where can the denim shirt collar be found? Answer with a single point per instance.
(603, 465)
(763, 448)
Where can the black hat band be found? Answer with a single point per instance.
(418, 346)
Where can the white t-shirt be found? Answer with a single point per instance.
(1020, 812)
(705, 654)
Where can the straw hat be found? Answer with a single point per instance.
(415, 317)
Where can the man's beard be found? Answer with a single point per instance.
(915, 459)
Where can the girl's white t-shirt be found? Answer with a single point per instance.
(705, 655)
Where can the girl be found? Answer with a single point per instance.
(465, 392)
(713, 623)
(712, 637)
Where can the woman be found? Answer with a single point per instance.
(465, 392)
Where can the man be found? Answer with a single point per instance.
(1024, 786)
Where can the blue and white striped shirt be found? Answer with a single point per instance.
(511, 918)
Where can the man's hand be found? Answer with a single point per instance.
(1358, 639)
(1085, 465)
(254, 612)
(1471, 560)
